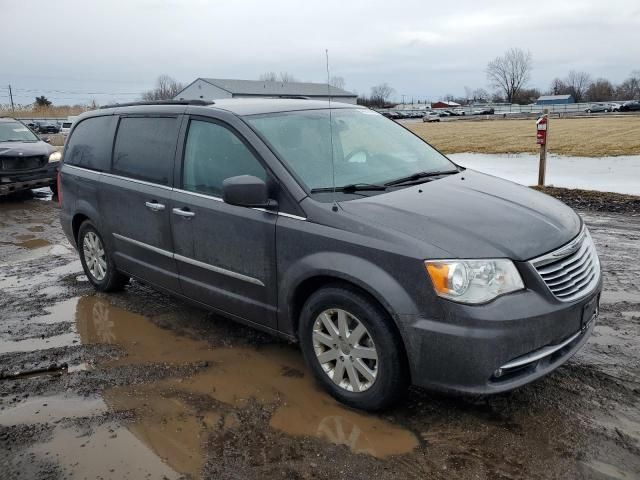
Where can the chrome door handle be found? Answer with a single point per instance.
(155, 206)
(183, 213)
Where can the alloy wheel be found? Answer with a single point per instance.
(94, 256)
(345, 350)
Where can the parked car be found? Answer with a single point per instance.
(459, 111)
(65, 128)
(483, 111)
(598, 107)
(47, 127)
(632, 106)
(615, 107)
(26, 162)
(386, 261)
(391, 115)
(431, 117)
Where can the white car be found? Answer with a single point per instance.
(66, 127)
(431, 117)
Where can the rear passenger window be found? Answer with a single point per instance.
(90, 144)
(145, 147)
(214, 153)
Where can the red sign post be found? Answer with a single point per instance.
(542, 131)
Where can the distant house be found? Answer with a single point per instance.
(214, 88)
(445, 105)
(555, 100)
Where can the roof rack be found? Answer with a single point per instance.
(160, 102)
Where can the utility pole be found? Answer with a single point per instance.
(13, 109)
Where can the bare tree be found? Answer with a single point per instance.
(480, 95)
(166, 88)
(337, 82)
(577, 84)
(600, 90)
(558, 87)
(286, 77)
(268, 77)
(630, 88)
(510, 72)
(526, 96)
(380, 94)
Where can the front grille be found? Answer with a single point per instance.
(573, 270)
(22, 163)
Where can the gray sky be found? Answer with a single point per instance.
(72, 51)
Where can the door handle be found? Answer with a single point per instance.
(155, 206)
(183, 213)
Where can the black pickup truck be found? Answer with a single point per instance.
(26, 162)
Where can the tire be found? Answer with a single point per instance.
(389, 369)
(111, 280)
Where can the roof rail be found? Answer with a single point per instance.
(160, 102)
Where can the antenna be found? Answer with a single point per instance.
(333, 163)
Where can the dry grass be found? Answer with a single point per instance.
(43, 112)
(587, 137)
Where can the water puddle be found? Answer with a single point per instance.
(110, 451)
(176, 418)
(51, 409)
(46, 277)
(239, 375)
(33, 243)
(64, 311)
(33, 344)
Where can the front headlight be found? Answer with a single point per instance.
(55, 157)
(473, 281)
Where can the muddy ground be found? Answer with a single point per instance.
(140, 385)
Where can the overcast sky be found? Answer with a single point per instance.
(72, 51)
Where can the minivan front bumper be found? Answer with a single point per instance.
(498, 346)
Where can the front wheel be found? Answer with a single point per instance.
(353, 349)
(96, 260)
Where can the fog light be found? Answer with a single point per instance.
(498, 373)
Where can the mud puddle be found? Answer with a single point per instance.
(173, 416)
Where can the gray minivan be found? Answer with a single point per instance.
(333, 226)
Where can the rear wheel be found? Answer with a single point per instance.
(352, 348)
(96, 260)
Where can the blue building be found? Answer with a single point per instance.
(555, 100)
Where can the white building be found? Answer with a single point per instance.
(209, 89)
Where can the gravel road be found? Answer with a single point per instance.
(140, 385)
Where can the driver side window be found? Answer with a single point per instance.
(214, 153)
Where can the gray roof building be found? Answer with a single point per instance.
(216, 88)
(554, 99)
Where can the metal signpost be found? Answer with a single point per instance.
(542, 133)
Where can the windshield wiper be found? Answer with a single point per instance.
(352, 187)
(417, 176)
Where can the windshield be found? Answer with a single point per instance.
(367, 147)
(16, 132)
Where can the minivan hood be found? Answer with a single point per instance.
(473, 215)
(25, 149)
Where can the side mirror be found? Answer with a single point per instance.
(46, 140)
(245, 191)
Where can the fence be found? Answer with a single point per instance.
(506, 108)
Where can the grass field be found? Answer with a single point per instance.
(585, 137)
